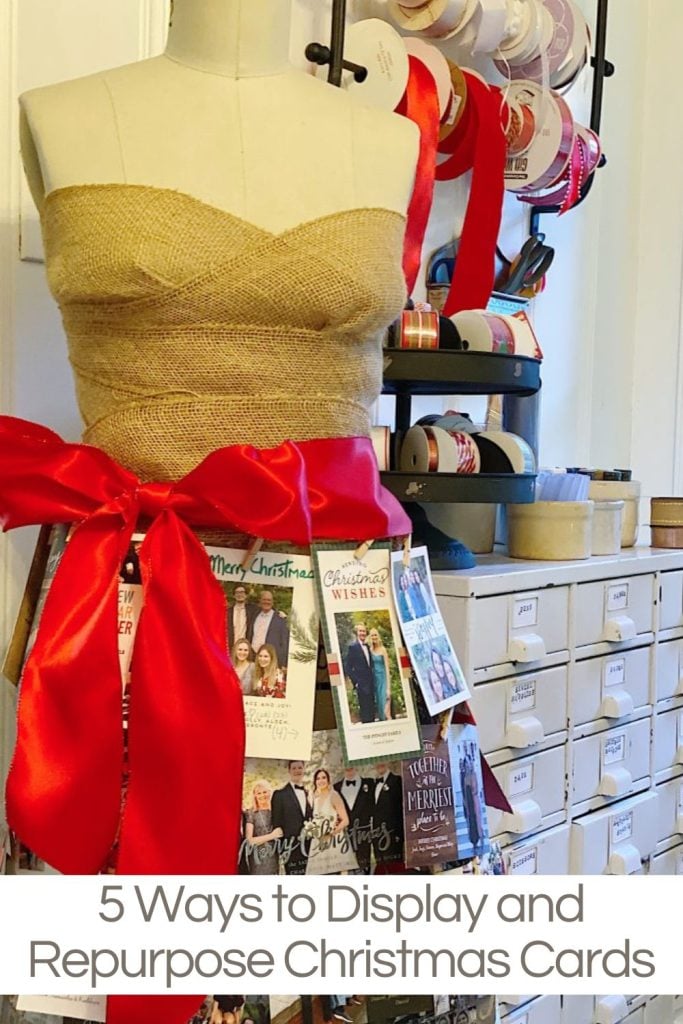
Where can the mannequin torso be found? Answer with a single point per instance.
(222, 117)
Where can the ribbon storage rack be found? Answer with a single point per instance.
(409, 373)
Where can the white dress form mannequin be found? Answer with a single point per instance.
(223, 117)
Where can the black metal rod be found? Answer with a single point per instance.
(337, 42)
(599, 80)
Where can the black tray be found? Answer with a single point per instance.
(493, 488)
(423, 372)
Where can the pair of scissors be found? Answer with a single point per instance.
(528, 268)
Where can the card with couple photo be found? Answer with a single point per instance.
(368, 666)
(434, 660)
(319, 816)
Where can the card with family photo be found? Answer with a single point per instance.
(319, 817)
(472, 827)
(433, 657)
(273, 641)
(368, 667)
(86, 1008)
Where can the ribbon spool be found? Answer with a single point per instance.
(524, 33)
(375, 45)
(502, 452)
(490, 22)
(482, 331)
(458, 103)
(438, 19)
(434, 60)
(583, 162)
(381, 442)
(485, 332)
(547, 156)
(418, 330)
(435, 450)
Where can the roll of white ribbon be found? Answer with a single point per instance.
(484, 332)
(525, 41)
(375, 45)
(490, 26)
(436, 18)
(381, 442)
(515, 449)
(435, 61)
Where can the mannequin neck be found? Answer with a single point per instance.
(235, 38)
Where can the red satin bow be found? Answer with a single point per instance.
(186, 724)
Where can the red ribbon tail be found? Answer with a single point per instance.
(145, 1009)
(186, 732)
(421, 105)
(64, 787)
(493, 794)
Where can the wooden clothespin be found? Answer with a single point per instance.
(362, 550)
(253, 551)
(407, 545)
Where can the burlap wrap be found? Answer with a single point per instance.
(189, 328)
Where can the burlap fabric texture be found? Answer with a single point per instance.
(189, 328)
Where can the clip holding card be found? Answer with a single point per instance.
(362, 550)
(407, 545)
(252, 552)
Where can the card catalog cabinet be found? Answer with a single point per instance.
(576, 674)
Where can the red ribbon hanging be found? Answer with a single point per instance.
(421, 104)
(182, 811)
(477, 144)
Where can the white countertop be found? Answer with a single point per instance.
(498, 574)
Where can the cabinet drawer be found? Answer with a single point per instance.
(540, 1010)
(614, 610)
(669, 863)
(670, 817)
(669, 679)
(545, 854)
(610, 764)
(671, 603)
(577, 1009)
(668, 741)
(611, 687)
(535, 788)
(519, 628)
(521, 712)
(615, 840)
(659, 1010)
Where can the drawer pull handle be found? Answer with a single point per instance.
(526, 815)
(526, 732)
(679, 754)
(617, 705)
(625, 860)
(619, 629)
(679, 825)
(611, 1009)
(616, 782)
(524, 649)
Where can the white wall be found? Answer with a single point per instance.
(609, 321)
